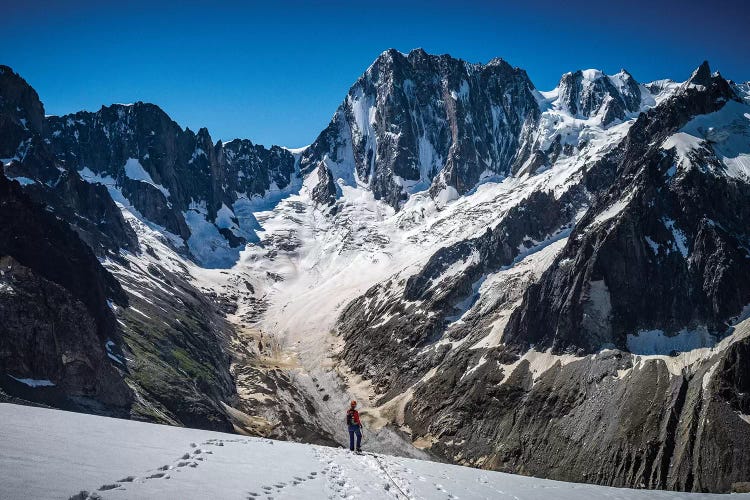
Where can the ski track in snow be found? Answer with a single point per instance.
(57, 454)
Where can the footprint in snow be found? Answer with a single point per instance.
(85, 495)
(106, 487)
(183, 461)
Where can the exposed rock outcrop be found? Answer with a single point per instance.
(54, 313)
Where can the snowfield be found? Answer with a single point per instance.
(57, 454)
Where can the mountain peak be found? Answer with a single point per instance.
(497, 61)
(590, 92)
(591, 74)
(404, 125)
(718, 87)
(389, 55)
(18, 99)
(623, 73)
(702, 75)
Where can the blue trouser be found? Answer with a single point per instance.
(354, 429)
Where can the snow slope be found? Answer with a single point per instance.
(726, 132)
(57, 454)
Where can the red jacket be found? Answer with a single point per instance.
(355, 416)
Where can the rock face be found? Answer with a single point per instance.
(57, 325)
(656, 224)
(54, 313)
(90, 210)
(175, 343)
(175, 178)
(417, 121)
(609, 419)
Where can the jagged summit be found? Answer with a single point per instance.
(420, 53)
(418, 121)
(702, 75)
(589, 93)
(177, 178)
(21, 103)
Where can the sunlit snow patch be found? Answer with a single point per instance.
(206, 243)
(31, 382)
(135, 171)
(649, 342)
(727, 131)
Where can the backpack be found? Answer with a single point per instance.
(350, 417)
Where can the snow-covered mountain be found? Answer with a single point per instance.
(549, 283)
(419, 121)
(202, 193)
(581, 302)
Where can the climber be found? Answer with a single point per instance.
(354, 425)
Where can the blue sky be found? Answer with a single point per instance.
(274, 72)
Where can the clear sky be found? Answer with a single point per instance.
(275, 71)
